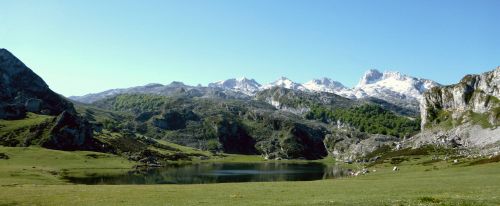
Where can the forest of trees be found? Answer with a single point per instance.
(368, 118)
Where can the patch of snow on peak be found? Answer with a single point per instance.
(370, 76)
(242, 84)
(330, 86)
(285, 83)
(392, 84)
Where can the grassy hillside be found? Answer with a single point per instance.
(27, 131)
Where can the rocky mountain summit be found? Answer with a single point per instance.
(393, 87)
(392, 84)
(465, 114)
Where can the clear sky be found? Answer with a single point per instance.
(87, 46)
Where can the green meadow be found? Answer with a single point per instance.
(34, 176)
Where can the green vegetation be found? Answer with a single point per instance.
(98, 115)
(385, 154)
(134, 103)
(214, 125)
(7, 126)
(368, 118)
(32, 177)
(445, 120)
(31, 130)
(480, 119)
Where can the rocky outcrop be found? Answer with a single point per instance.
(295, 141)
(349, 145)
(70, 132)
(233, 137)
(22, 90)
(474, 139)
(474, 93)
(464, 115)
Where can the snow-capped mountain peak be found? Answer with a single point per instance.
(370, 76)
(285, 83)
(323, 84)
(328, 85)
(391, 84)
(242, 84)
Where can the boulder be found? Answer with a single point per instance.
(33, 105)
(70, 132)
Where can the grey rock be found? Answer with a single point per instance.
(33, 105)
(476, 93)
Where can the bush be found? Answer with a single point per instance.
(214, 146)
(4, 156)
(429, 200)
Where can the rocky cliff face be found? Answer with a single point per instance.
(463, 115)
(473, 94)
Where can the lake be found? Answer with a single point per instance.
(204, 173)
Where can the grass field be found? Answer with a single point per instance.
(419, 182)
(33, 165)
(31, 119)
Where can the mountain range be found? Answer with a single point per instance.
(393, 87)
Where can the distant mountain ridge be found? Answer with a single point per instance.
(393, 87)
(244, 85)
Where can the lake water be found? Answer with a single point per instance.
(204, 173)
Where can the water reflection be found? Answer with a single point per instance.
(204, 173)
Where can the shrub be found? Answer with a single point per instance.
(429, 200)
(4, 156)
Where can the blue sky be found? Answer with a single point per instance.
(80, 47)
